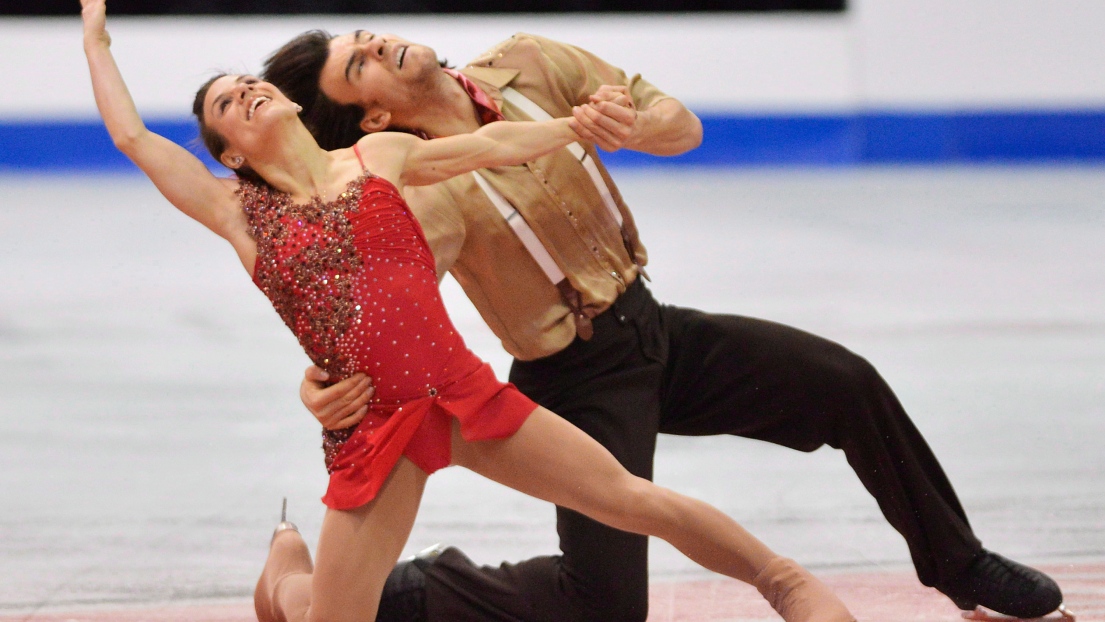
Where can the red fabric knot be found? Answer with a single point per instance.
(485, 106)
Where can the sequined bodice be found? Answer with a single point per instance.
(355, 281)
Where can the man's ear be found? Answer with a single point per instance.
(375, 120)
(232, 160)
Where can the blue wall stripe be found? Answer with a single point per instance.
(79, 145)
(892, 138)
(730, 140)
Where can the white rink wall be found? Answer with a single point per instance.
(880, 54)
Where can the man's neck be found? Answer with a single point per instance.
(446, 110)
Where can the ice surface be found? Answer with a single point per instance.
(150, 424)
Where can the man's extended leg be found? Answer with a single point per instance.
(758, 379)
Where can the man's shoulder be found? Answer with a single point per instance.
(522, 54)
(521, 44)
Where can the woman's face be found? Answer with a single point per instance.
(245, 111)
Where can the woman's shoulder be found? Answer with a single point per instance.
(245, 187)
(255, 196)
(384, 140)
(384, 153)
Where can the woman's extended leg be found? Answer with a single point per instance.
(551, 459)
(356, 551)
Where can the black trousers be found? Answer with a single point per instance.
(654, 368)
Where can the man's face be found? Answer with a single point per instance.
(376, 70)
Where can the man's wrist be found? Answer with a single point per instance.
(638, 136)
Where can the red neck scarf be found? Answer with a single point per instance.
(485, 106)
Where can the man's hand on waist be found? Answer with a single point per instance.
(337, 406)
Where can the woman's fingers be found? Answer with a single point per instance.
(94, 15)
(607, 124)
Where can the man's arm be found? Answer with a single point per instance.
(624, 112)
(612, 122)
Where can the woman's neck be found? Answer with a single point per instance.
(297, 166)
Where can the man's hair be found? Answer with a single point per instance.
(295, 69)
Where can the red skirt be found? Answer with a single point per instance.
(421, 430)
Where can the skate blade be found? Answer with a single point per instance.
(982, 615)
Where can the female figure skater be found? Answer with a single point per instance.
(329, 239)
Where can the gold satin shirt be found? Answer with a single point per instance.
(471, 239)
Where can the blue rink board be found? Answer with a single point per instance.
(1062, 136)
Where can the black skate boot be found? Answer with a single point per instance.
(1004, 586)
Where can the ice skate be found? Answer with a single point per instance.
(288, 555)
(997, 586)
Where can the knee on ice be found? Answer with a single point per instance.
(614, 605)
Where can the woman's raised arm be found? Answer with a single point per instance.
(177, 173)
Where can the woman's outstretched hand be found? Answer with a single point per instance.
(94, 14)
(177, 173)
(609, 120)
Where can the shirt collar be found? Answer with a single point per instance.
(486, 107)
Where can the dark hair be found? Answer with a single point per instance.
(295, 69)
(213, 140)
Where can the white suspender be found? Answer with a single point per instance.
(522, 230)
(529, 239)
(537, 113)
(517, 223)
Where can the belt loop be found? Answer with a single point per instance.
(641, 315)
(618, 312)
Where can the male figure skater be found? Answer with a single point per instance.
(549, 254)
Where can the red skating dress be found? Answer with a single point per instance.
(355, 281)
